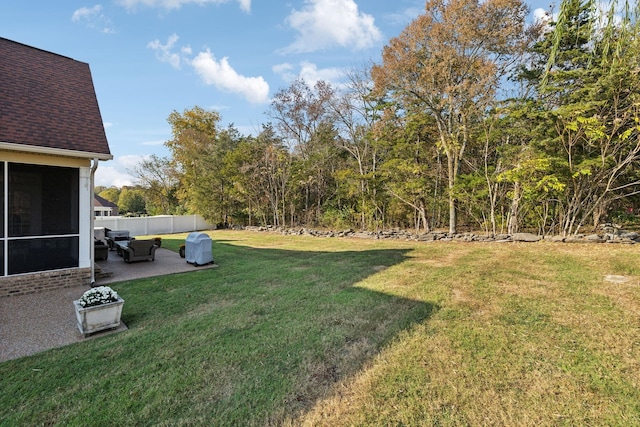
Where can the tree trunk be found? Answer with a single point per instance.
(513, 214)
(452, 200)
(423, 217)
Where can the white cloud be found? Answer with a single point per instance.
(86, 12)
(211, 71)
(541, 15)
(115, 172)
(326, 23)
(221, 75)
(164, 51)
(285, 71)
(93, 18)
(282, 68)
(109, 176)
(310, 73)
(245, 5)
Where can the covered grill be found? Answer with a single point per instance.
(198, 249)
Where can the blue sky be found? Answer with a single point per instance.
(151, 57)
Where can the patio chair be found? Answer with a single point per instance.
(100, 250)
(113, 236)
(100, 245)
(139, 250)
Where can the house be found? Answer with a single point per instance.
(103, 208)
(51, 141)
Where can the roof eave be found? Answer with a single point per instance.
(53, 151)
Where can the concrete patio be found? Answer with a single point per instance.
(22, 333)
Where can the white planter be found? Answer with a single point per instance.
(98, 317)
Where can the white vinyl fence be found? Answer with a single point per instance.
(161, 224)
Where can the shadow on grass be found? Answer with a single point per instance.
(255, 341)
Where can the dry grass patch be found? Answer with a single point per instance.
(439, 258)
(625, 295)
(526, 335)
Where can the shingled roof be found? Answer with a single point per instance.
(48, 103)
(102, 202)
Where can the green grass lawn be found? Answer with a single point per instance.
(319, 331)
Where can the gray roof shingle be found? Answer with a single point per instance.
(101, 201)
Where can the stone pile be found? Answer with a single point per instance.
(608, 234)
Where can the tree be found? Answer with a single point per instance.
(160, 182)
(261, 166)
(354, 111)
(408, 170)
(303, 120)
(111, 194)
(198, 150)
(448, 63)
(590, 91)
(131, 201)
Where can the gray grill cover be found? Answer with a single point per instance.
(197, 249)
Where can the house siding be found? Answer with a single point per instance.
(44, 281)
(49, 116)
(43, 159)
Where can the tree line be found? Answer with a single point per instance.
(473, 118)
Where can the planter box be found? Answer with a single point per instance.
(99, 317)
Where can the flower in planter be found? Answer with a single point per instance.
(98, 296)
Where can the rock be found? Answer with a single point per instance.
(610, 229)
(616, 279)
(617, 236)
(574, 239)
(525, 237)
(429, 237)
(631, 235)
(362, 235)
(622, 241)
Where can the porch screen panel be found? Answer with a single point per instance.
(29, 255)
(43, 218)
(43, 200)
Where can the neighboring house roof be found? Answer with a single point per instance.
(102, 202)
(48, 104)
